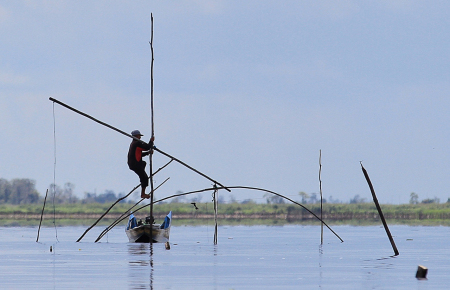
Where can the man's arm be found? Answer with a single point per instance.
(149, 147)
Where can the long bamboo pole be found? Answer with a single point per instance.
(129, 135)
(153, 127)
(151, 77)
(375, 200)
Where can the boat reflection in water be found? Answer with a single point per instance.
(140, 263)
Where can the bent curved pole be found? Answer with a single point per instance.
(126, 134)
(297, 203)
(127, 213)
(215, 188)
(116, 202)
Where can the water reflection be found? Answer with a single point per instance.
(140, 266)
(380, 263)
(320, 265)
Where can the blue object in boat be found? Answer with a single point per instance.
(166, 222)
(132, 223)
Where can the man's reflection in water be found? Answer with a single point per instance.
(140, 265)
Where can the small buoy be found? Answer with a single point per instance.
(167, 246)
(422, 273)
(51, 249)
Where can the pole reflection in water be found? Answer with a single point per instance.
(140, 265)
(151, 265)
(320, 264)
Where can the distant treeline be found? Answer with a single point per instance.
(18, 191)
(23, 191)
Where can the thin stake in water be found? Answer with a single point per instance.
(42, 214)
(216, 201)
(321, 199)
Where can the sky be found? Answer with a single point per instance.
(247, 92)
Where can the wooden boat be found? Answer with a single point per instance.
(139, 232)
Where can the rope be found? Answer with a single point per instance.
(54, 171)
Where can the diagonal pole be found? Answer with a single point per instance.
(375, 200)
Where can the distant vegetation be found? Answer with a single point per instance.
(19, 200)
(23, 191)
(230, 213)
(18, 191)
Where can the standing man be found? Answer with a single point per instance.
(135, 162)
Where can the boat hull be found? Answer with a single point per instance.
(147, 234)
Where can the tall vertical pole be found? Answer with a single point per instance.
(153, 123)
(215, 200)
(321, 199)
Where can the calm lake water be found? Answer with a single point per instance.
(246, 257)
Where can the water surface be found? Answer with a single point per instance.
(246, 257)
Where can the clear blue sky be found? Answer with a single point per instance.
(247, 92)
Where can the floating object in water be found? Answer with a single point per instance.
(421, 272)
(51, 249)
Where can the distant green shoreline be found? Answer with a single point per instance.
(230, 214)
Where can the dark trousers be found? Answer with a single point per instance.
(140, 171)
